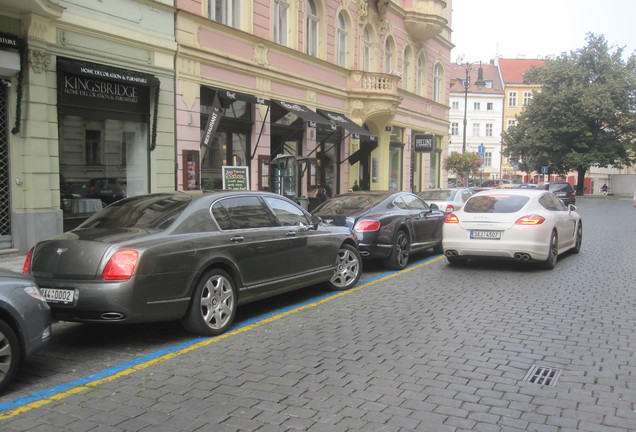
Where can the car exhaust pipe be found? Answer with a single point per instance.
(519, 256)
(112, 316)
(451, 253)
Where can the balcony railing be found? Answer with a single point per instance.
(374, 83)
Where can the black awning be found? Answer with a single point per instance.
(232, 95)
(303, 112)
(347, 123)
(366, 147)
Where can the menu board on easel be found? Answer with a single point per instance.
(236, 178)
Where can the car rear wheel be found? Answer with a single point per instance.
(399, 257)
(348, 268)
(438, 249)
(578, 241)
(213, 305)
(553, 252)
(9, 354)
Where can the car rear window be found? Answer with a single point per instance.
(147, 212)
(348, 205)
(442, 195)
(495, 203)
(554, 187)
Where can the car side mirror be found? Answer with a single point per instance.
(434, 206)
(571, 207)
(315, 221)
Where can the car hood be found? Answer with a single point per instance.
(78, 254)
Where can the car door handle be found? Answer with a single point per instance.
(237, 239)
(290, 234)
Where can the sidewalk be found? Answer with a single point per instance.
(12, 262)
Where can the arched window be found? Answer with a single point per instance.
(281, 19)
(438, 74)
(389, 48)
(406, 69)
(366, 50)
(420, 76)
(311, 29)
(341, 40)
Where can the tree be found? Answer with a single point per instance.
(464, 164)
(585, 114)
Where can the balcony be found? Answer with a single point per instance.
(374, 95)
(426, 19)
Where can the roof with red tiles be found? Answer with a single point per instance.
(513, 70)
(491, 73)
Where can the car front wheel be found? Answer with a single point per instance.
(9, 354)
(348, 268)
(213, 306)
(578, 241)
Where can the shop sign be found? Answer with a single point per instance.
(423, 143)
(236, 178)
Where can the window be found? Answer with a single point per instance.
(243, 212)
(488, 129)
(489, 106)
(512, 99)
(420, 76)
(281, 13)
(311, 29)
(488, 159)
(454, 128)
(341, 41)
(226, 12)
(477, 106)
(93, 147)
(512, 122)
(389, 47)
(366, 50)
(527, 97)
(455, 105)
(475, 129)
(287, 213)
(437, 83)
(406, 69)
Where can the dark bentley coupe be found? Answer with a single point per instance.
(189, 257)
(389, 225)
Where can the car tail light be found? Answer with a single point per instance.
(26, 267)
(121, 266)
(530, 220)
(449, 209)
(451, 218)
(367, 225)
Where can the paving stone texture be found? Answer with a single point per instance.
(436, 348)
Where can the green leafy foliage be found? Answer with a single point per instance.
(585, 114)
(466, 164)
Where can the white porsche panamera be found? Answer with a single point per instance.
(526, 225)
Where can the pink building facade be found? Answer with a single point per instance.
(308, 93)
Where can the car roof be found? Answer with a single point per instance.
(512, 191)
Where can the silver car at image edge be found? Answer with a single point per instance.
(25, 322)
(525, 225)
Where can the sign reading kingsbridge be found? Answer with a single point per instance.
(92, 87)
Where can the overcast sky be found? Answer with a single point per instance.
(483, 29)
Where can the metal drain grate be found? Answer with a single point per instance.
(543, 375)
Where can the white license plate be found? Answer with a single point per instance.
(486, 235)
(561, 194)
(54, 295)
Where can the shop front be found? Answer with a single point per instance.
(105, 136)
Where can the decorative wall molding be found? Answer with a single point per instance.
(39, 60)
(261, 53)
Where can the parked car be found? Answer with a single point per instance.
(389, 225)
(526, 225)
(447, 200)
(189, 257)
(564, 190)
(495, 182)
(517, 186)
(107, 189)
(25, 322)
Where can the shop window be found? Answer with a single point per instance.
(93, 147)
(190, 169)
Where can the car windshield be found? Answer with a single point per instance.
(350, 204)
(148, 212)
(438, 194)
(495, 203)
(553, 187)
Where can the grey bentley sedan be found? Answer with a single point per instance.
(189, 257)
